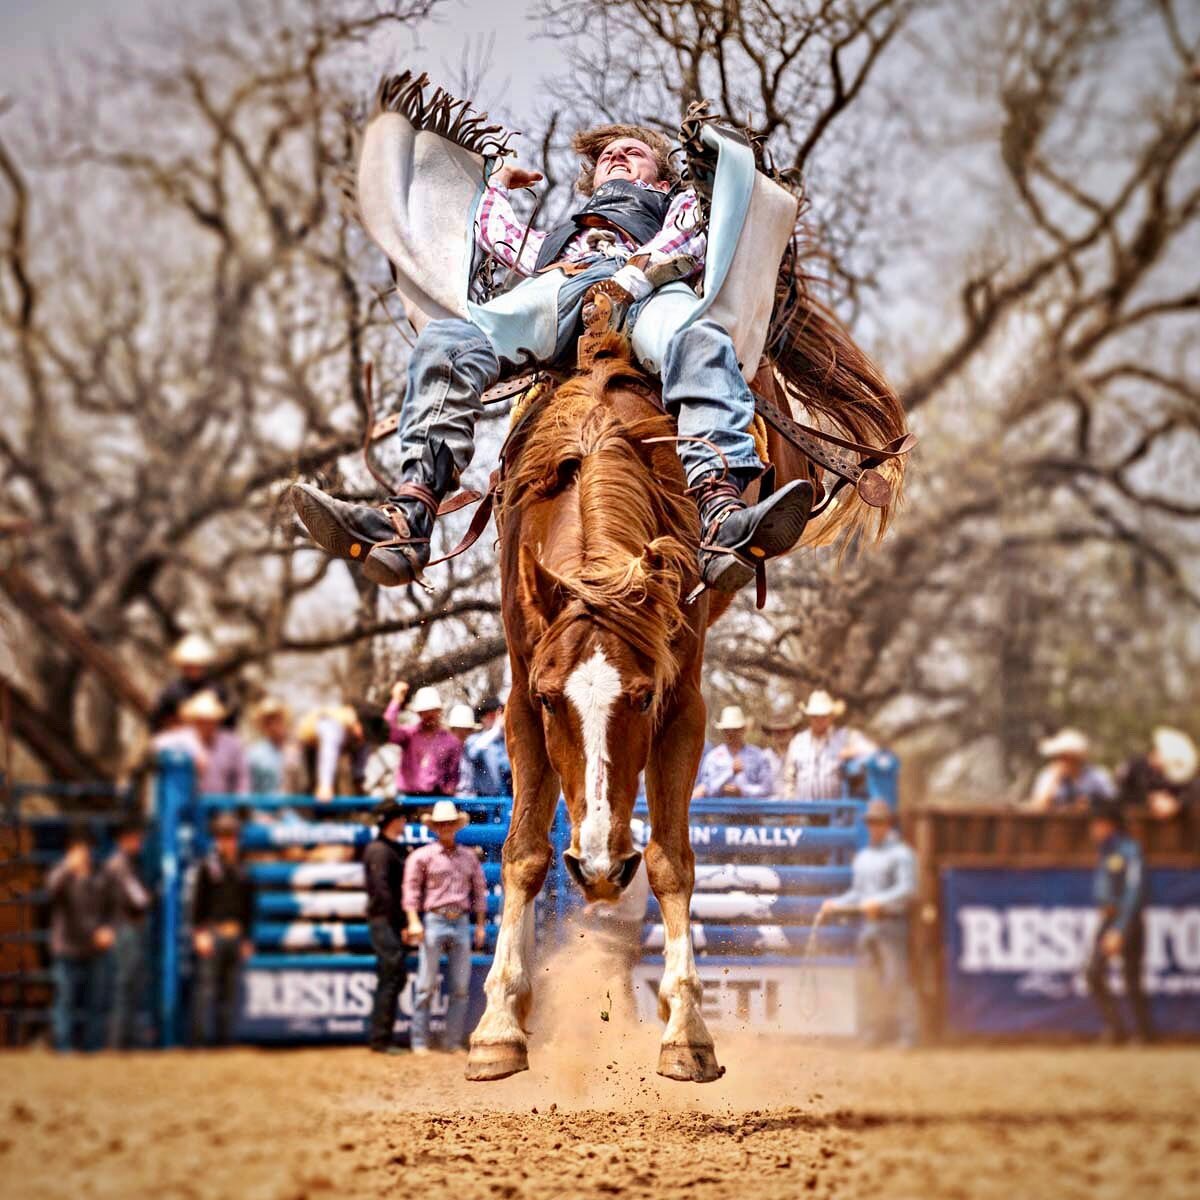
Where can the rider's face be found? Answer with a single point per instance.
(628, 159)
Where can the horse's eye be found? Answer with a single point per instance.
(546, 703)
(646, 702)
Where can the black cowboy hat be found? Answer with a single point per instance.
(385, 811)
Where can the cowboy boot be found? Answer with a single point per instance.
(736, 538)
(391, 539)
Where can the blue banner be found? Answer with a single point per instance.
(1016, 944)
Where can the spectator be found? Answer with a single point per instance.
(81, 934)
(443, 884)
(1164, 780)
(431, 753)
(195, 658)
(273, 759)
(461, 722)
(383, 866)
(129, 902)
(816, 759)
(381, 758)
(1119, 886)
(1068, 781)
(224, 770)
(881, 892)
(222, 919)
(485, 769)
(778, 729)
(733, 767)
(331, 736)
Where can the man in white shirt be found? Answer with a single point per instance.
(816, 758)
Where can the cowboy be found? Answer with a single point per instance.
(733, 767)
(196, 660)
(383, 868)
(1069, 780)
(130, 901)
(816, 759)
(779, 727)
(218, 752)
(635, 229)
(1164, 781)
(1119, 885)
(882, 888)
(432, 753)
(222, 916)
(443, 886)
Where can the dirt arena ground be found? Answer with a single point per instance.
(790, 1119)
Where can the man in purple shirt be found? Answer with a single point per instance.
(431, 753)
(443, 885)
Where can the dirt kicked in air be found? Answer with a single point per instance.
(789, 1119)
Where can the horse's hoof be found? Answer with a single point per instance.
(689, 1064)
(496, 1060)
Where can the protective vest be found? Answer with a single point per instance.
(638, 212)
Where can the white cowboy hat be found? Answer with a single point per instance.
(1176, 754)
(445, 812)
(731, 717)
(426, 700)
(1066, 742)
(194, 650)
(462, 716)
(203, 706)
(822, 704)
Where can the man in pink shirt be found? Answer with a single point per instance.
(430, 753)
(443, 885)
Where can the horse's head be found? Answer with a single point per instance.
(603, 662)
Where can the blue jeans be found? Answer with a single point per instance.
(128, 986)
(887, 1003)
(453, 363)
(78, 1008)
(452, 938)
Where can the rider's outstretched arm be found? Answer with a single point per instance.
(500, 232)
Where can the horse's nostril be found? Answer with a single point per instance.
(622, 874)
(574, 868)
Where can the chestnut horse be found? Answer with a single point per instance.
(598, 549)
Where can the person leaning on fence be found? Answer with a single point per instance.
(81, 935)
(216, 752)
(443, 886)
(733, 767)
(1164, 781)
(330, 737)
(881, 892)
(129, 902)
(222, 918)
(1119, 887)
(383, 869)
(778, 729)
(431, 753)
(485, 769)
(1069, 781)
(273, 758)
(814, 768)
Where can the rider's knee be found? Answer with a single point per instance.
(705, 337)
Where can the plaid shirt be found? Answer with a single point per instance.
(500, 232)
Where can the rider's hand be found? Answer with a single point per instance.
(516, 177)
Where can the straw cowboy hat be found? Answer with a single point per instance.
(268, 707)
(203, 706)
(781, 719)
(1176, 754)
(462, 716)
(445, 812)
(878, 810)
(426, 700)
(194, 650)
(1066, 743)
(731, 717)
(822, 704)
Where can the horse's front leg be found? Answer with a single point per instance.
(687, 1051)
(499, 1045)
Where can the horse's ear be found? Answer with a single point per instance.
(541, 590)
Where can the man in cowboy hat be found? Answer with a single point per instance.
(443, 887)
(431, 753)
(383, 868)
(881, 892)
(486, 770)
(733, 767)
(273, 759)
(816, 758)
(1119, 886)
(222, 918)
(779, 727)
(195, 658)
(1164, 780)
(1069, 781)
(224, 769)
(633, 231)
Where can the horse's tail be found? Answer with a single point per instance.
(834, 384)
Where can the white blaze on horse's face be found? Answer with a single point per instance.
(593, 688)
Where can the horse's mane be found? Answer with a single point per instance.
(638, 528)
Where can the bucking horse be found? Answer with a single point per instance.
(604, 613)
